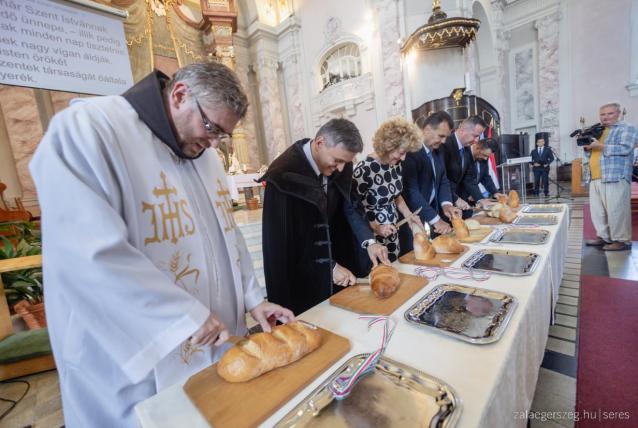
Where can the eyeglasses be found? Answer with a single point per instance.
(213, 129)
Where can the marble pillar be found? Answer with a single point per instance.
(249, 152)
(548, 76)
(388, 25)
(24, 130)
(502, 47)
(293, 79)
(470, 54)
(270, 99)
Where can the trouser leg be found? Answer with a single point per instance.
(546, 182)
(597, 208)
(618, 207)
(537, 178)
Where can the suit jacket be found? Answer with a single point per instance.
(545, 159)
(483, 177)
(462, 178)
(305, 230)
(418, 182)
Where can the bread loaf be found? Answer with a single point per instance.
(384, 281)
(502, 199)
(444, 244)
(262, 352)
(506, 215)
(460, 228)
(422, 247)
(513, 200)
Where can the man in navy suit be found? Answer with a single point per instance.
(459, 162)
(425, 183)
(480, 172)
(542, 157)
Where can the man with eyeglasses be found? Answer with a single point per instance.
(146, 272)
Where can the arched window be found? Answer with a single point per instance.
(343, 63)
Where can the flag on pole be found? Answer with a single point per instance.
(492, 160)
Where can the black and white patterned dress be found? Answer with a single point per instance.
(379, 185)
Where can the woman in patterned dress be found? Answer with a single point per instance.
(379, 184)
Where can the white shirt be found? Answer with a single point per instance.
(433, 194)
(315, 167)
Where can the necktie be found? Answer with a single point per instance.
(462, 154)
(540, 151)
(433, 193)
(323, 181)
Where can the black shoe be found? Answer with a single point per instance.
(598, 242)
(617, 246)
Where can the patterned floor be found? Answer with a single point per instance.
(556, 388)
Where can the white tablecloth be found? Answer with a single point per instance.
(240, 181)
(493, 381)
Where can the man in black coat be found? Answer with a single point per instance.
(306, 241)
(458, 161)
(425, 183)
(480, 172)
(542, 157)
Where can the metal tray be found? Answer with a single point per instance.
(520, 235)
(394, 395)
(506, 262)
(536, 219)
(543, 208)
(470, 314)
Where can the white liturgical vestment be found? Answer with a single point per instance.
(139, 247)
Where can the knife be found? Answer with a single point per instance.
(405, 220)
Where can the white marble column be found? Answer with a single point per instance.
(502, 47)
(548, 76)
(388, 24)
(251, 156)
(271, 109)
(471, 69)
(293, 78)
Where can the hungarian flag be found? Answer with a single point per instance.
(492, 160)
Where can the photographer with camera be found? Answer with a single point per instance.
(611, 158)
(542, 157)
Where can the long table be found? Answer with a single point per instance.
(495, 382)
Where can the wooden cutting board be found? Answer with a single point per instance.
(439, 260)
(247, 404)
(486, 220)
(359, 298)
(476, 235)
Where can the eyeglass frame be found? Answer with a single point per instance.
(213, 129)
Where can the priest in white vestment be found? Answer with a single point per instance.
(145, 272)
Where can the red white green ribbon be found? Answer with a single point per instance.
(343, 384)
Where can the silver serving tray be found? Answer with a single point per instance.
(506, 262)
(394, 395)
(543, 208)
(536, 219)
(470, 314)
(520, 235)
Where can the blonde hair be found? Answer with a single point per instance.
(397, 133)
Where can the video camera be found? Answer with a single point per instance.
(586, 134)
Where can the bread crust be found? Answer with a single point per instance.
(262, 352)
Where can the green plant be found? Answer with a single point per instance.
(22, 230)
(23, 284)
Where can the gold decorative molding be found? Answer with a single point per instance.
(442, 32)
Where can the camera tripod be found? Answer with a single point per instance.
(559, 163)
